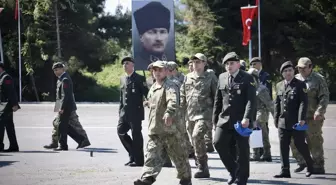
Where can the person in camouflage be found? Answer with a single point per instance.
(197, 96)
(318, 99)
(264, 107)
(190, 66)
(163, 130)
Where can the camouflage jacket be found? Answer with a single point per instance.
(197, 95)
(264, 104)
(318, 94)
(162, 99)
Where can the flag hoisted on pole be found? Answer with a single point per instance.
(247, 14)
(259, 30)
(18, 18)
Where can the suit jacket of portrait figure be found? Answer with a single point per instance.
(132, 93)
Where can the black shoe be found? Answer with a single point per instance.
(185, 182)
(51, 146)
(232, 179)
(12, 150)
(266, 158)
(191, 155)
(140, 182)
(300, 168)
(133, 164)
(168, 164)
(129, 162)
(61, 149)
(83, 144)
(255, 158)
(283, 174)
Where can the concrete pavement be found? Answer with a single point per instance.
(34, 165)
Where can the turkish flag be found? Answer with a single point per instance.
(247, 13)
(16, 9)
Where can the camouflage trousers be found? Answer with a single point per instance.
(208, 137)
(73, 122)
(265, 138)
(197, 130)
(315, 141)
(154, 159)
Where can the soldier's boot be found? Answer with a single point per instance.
(300, 168)
(168, 163)
(52, 145)
(283, 174)
(210, 148)
(203, 170)
(185, 182)
(266, 155)
(84, 144)
(255, 155)
(144, 181)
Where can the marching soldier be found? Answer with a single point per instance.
(290, 108)
(163, 130)
(150, 80)
(190, 66)
(9, 104)
(133, 88)
(264, 107)
(318, 99)
(197, 96)
(65, 106)
(235, 101)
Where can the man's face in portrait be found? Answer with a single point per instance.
(155, 40)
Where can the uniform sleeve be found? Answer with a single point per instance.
(218, 104)
(268, 84)
(144, 87)
(250, 93)
(66, 85)
(10, 90)
(303, 98)
(171, 100)
(121, 104)
(267, 101)
(323, 97)
(277, 109)
(214, 83)
(183, 94)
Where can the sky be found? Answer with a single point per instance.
(110, 5)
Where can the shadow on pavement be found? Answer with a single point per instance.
(4, 155)
(39, 152)
(6, 163)
(211, 168)
(213, 179)
(99, 150)
(254, 181)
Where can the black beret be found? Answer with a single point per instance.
(255, 59)
(58, 65)
(152, 15)
(127, 59)
(286, 65)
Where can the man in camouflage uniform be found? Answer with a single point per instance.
(66, 121)
(318, 99)
(150, 80)
(264, 106)
(190, 66)
(163, 131)
(197, 96)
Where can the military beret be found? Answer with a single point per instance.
(199, 56)
(255, 59)
(130, 59)
(160, 64)
(152, 15)
(172, 65)
(286, 65)
(232, 56)
(254, 72)
(58, 65)
(304, 62)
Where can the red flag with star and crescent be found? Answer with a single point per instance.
(248, 13)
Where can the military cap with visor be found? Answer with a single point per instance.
(232, 56)
(304, 62)
(286, 65)
(129, 59)
(152, 15)
(58, 65)
(172, 65)
(159, 64)
(199, 56)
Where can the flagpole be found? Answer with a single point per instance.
(259, 31)
(19, 33)
(250, 43)
(1, 49)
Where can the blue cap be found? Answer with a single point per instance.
(299, 127)
(245, 132)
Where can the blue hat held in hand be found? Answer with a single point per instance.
(245, 132)
(298, 127)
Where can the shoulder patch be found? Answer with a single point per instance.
(253, 84)
(269, 81)
(8, 81)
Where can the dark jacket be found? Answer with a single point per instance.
(8, 93)
(132, 93)
(64, 94)
(265, 79)
(234, 102)
(291, 103)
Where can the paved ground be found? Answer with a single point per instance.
(37, 166)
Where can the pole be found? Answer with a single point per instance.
(57, 31)
(250, 43)
(259, 31)
(19, 33)
(1, 49)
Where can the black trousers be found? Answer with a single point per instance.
(223, 140)
(64, 129)
(134, 145)
(6, 122)
(299, 138)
